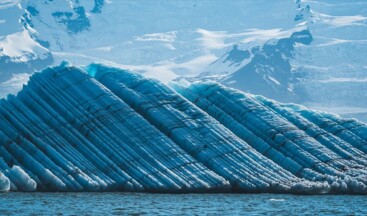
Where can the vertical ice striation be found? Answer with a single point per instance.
(200, 135)
(70, 133)
(107, 129)
(293, 142)
(349, 130)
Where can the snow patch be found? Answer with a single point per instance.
(163, 37)
(14, 84)
(8, 3)
(213, 39)
(17, 46)
(344, 79)
(339, 21)
(104, 49)
(17, 80)
(274, 80)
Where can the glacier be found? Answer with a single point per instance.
(103, 128)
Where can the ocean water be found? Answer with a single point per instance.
(178, 204)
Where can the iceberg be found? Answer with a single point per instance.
(200, 135)
(70, 133)
(300, 145)
(103, 128)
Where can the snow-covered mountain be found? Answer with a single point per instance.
(309, 52)
(325, 69)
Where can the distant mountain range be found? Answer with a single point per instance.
(307, 52)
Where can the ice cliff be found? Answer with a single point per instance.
(100, 128)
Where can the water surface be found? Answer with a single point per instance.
(178, 204)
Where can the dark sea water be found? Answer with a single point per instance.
(178, 204)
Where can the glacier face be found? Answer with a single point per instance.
(101, 128)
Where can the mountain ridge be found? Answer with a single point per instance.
(187, 39)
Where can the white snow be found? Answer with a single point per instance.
(16, 81)
(19, 45)
(213, 39)
(14, 84)
(340, 21)
(164, 37)
(166, 71)
(274, 80)
(8, 3)
(104, 49)
(343, 80)
(224, 39)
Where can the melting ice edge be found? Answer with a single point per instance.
(101, 128)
